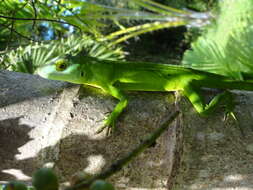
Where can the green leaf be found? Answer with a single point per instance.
(226, 46)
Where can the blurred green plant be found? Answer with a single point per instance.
(46, 179)
(88, 17)
(157, 16)
(28, 58)
(24, 18)
(14, 185)
(37, 32)
(198, 5)
(226, 46)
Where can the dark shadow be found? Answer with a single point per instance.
(12, 136)
(75, 153)
(164, 46)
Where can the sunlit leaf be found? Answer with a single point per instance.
(227, 45)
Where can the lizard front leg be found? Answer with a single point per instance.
(109, 123)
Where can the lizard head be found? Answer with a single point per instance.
(64, 69)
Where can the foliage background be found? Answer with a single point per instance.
(36, 32)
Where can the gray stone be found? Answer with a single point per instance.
(49, 123)
(44, 127)
(249, 148)
(26, 104)
(216, 152)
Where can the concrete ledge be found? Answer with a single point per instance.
(46, 122)
(218, 154)
(59, 129)
(26, 102)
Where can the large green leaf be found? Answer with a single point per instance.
(226, 46)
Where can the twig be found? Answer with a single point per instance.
(41, 19)
(12, 30)
(118, 165)
(35, 12)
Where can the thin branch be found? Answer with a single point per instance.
(12, 30)
(11, 35)
(35, 12)
(41, 19)
(118, 165)
(9, 39)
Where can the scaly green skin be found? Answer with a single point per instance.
(115, 77)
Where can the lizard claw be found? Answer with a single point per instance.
(237, 124)
(229, 109)
(230, 114)
(109, 125)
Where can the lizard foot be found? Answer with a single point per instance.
(109, 125)
(237, 123)
(229, 114)
(230, 107)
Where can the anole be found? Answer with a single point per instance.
(116, 77)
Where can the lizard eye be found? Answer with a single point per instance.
(61, 65)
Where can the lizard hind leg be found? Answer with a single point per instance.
(225, 98)
(229, 106)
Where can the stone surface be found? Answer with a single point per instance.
(51, 123)
(82, 150)
(26, 103)
(217, 153)
(58, 129)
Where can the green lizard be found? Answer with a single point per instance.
(116, 77)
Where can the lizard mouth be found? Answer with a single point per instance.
(41, 71)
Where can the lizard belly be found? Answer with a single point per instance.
(149, 81)
(157, 85)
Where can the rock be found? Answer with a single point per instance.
(49, 123)
(249, 148)
(216, 152)
(58, 129)
(27, 103)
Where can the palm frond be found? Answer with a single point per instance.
(29, 58)
(227, 45)
(160, 17)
